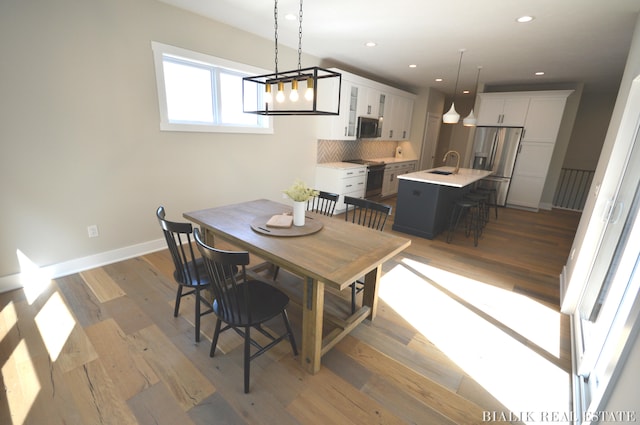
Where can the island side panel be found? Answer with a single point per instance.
(423, 209)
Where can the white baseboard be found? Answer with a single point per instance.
(546, 206)
(10, 282)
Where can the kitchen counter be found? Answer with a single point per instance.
(340, 165)
(425, 199)
(465, 176)
(392, 160)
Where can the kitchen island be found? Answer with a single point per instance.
(425, 198)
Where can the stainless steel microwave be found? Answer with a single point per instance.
(368, 128)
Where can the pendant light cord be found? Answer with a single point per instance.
(300, 39)
(275, 19)
(477, 79)
(455, 90)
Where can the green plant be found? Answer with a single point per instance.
(300, 192)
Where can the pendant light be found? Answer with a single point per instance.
(470, 120)
(321, 86)
(452, 117)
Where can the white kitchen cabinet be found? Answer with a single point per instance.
(529, 174)
(362, 97)
(372, 103)
(397, 123)
(391, 173)
(502, 109)
(342, 178)
(544, 118)
(541, 128)
(343, 126)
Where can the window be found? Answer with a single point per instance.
(197, 92)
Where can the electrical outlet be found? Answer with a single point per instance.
(92, 230)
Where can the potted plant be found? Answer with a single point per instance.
(300, 193)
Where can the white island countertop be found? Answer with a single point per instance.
(464, 177)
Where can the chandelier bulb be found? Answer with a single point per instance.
(280, 94)
(293, 96)
(268, 97)
(308, 94)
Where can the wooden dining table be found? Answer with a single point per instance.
(334, 256)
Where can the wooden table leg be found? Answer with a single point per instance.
(371, 286)
(312, 309)
(209, 237)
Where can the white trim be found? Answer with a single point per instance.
(546, 206)
(160, 49)
(11, 282)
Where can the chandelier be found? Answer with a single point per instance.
(321, 86)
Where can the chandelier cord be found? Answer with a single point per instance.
(300, 38)
(477, 79)
(455, 90)
(275, 19)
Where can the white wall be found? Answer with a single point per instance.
(589, 230)
(79, 129)
(589, 131)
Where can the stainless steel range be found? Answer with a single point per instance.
(375, 176)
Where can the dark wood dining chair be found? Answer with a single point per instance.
(242, 304)
(366, 213)
(189, 271)
(325, 204)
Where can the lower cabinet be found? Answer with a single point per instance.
(391, 173)
(351, 181)
(529, 174)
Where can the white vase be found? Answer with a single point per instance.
(299, 210)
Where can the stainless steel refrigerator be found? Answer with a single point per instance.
(496, 148)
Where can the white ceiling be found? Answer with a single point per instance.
(570, 40)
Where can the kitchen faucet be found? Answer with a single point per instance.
(457, 160)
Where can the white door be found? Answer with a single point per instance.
(430, 141)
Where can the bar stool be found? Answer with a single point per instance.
(493, 197)
(483, 205)
(469, 211)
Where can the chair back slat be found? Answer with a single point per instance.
(178, 238)
(324, 203)
(231, 295)
(366, 212)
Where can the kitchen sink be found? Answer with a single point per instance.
(443, 173)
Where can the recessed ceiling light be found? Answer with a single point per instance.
(439, 80)
(540, 73)
(525, 19)
(413, 65)
(370, 44)
(466, 91)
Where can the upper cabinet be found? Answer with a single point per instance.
(363, 97)
(343, 126)
(544, 117)
(396, 125)
(373, 103)
(502, 109)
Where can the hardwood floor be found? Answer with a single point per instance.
(464, 335)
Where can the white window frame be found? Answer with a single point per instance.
(161, 50)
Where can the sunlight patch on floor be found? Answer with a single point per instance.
(55, 324)
(34, 280)
(517, 376)
(21, 383)
(511, 309)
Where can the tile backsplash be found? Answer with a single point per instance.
(339, 150)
